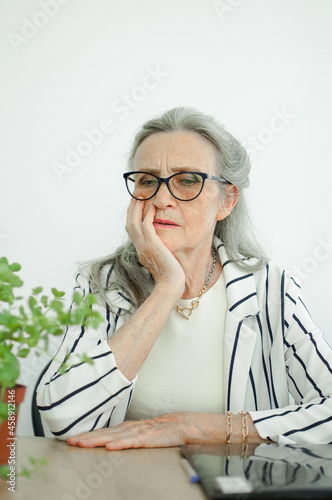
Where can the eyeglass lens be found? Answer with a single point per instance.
(184, 185)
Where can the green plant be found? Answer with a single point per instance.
(36, 465)
(24, 327)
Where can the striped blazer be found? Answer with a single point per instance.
(277, 364)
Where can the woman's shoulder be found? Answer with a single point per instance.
(86, 276)
(262, 270)
(107, 294)
(273, 278)
(274, 270)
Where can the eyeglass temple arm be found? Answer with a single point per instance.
(220, 179)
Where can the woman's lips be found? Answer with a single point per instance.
(164, 223)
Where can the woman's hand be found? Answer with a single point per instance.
(173, 429)
(152, 252)
(132, 342)
(167, 430)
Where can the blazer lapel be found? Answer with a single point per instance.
(240, 338)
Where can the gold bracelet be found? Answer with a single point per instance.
(244, 451)
(245, 430)
(229, 427)
(228, 450)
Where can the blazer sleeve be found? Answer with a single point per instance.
(308, 361)
(86, 396)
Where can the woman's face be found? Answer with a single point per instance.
(167, 153)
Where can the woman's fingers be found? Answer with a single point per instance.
(140, 228)
(134, 216)
(159, 432)
(151, 251)
(149, 216)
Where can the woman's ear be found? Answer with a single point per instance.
(230, 198)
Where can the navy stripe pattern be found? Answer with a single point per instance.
(288, 386)
(277, 364)
(84, 397)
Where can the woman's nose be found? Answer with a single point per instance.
(163, 197)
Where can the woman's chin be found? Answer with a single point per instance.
(168, 241)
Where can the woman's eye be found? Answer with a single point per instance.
(149, 183)
(189, 180)
(144, 181)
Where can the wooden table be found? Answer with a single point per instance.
(80, 474)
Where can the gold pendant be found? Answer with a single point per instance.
(182, 311)
(195, 302)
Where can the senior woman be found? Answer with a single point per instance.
(204, 340)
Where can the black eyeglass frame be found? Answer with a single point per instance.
(166, 180)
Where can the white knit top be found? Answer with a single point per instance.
(184, 369)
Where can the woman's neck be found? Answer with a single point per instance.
(197, 271)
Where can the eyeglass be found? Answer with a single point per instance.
(184, 186)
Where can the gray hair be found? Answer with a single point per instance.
(235, 231)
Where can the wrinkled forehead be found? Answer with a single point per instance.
(176, 150)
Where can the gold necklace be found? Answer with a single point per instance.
(186, 311)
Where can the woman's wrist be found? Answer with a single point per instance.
(220, 428)
(240, 429)
(204, 428)
(169, 289)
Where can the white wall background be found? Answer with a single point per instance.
(68, 65)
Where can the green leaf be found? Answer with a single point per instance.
(32, 330)
(56, 305)
(78, 299)
(37, 290)
(64, 319)
(32, 460)
(22, 312)
(96, 320)
(15, 267)
(5, 318)
(57, 293)
(3, 411)
(9, 368)
(55, 330)
(90, 299)
(44, 300)
(22, 353)
(86, 359)
(6, 293)
(25, 472)
(8, 275)
(32, 342)
(4, 471)
(62, 369)
(32, 303)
